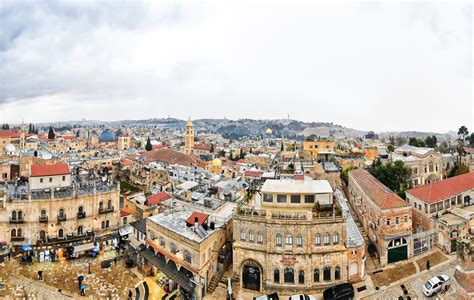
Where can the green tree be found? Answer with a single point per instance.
(281, 148)
(463, 132)
(471, 140)
(222, 153)
(393, 174)
(212, 148)
(231, 156)
(242, 154)
(431, 141)
(5, 126)
(250, 150)
(390, 148)
(51, 134)
(148, 146)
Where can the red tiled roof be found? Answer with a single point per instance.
(202, 147)
(240, 161)
(441, 190)
(201, 218)
(8, 133)
(68, 137)
(253, 173)
(124, 213)
(298, 177)
(48, 170)
(126, 163)
(158, 198)
(469, 150)
(381, 195)
(169, 156)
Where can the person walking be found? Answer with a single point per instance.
(80, 279)
(83, 290)
(115, 260)
(40, 275)
(428, 264)
(9, 255)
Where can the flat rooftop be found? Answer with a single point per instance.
(291, 186)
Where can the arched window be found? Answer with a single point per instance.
(301, 277)
(173, 248)
(242, 235)
(60, 233)
(289, 239)
(337, 273)
(162, 242)
(107, 224)
(187, 256)
(103, 225)
(251, 237)
(18, 232)
(101, 205)
(335, 238)
(13, 232)
(13, 215)
(317, 240)
(276, 276)
(81, 209)
(109, 204)
(299, 240)
(42, 235)
(289, 275)
(316, 275)
(61, 212)
(20, 215)
(43, 213)
(326, 239)
(278, 239)
(80, 230)
(327, 273)
(260, 238)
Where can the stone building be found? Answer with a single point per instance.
(320, 150)
(425, 164)
(189, 137)
(190, 245)
(51, 209)
(464, 273)
(431, 200)
(386, 218)
(281, 244)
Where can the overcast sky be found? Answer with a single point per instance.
(366, 66)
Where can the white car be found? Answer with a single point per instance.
(301, 297)
(436, 284)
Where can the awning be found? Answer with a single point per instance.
(125, 230)
(84, 247)
(170, 271)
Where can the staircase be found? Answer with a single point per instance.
(141, 291)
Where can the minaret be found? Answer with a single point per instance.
(189, 137)
(22, 136)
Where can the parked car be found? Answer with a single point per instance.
(301, 297)
(344, 291)
(273, 296)
(436, 284)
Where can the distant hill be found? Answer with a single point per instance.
(250, 127)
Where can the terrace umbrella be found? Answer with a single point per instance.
(26, 247)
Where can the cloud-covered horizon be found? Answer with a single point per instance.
(382, 67)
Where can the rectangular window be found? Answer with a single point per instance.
(446, 203)
(50, 179)
(388, 221)
(459, 200)
(281, 198)
(406, 218)
(64, 178)
(432, 208)
(426, 208)
(308, 198)
(453, 201)
(267, 198)
(397, 220)
(326, 239)
(41, 180)
(317, 241)
(295, 199)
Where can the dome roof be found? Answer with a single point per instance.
(107, 136)
(9, 148)
(268, 131)
(216, 162)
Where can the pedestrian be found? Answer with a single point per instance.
(130, 295)
(40, 275)
(115, 260)
(428, 264)
(9, 254)
(80, 279)
(83, 290)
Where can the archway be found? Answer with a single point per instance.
(251, 274)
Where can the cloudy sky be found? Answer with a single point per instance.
(366, 66)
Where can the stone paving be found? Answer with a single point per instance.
(112, 283)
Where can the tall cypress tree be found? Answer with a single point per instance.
(148, 146)
(51, 134)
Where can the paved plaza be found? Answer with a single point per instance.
(103, 283)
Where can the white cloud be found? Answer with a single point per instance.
(381, 67)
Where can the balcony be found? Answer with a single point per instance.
(17, 238)
(106, 210)
(81, 215)
(43, 219)
(17, 220)
(61, 217)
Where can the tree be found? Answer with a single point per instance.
(471, 140)
(393, 174)
(148, 146)
(431, 141)
(5, 126)
(242, 154)
(250, 150)
(212, 148)
(281, 148)
(413, 141)
(390, 148)
(51, 134)
(222, 153)
(231, 156)
(463, 132)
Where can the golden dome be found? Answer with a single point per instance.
(216, 162)
(268, 131)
